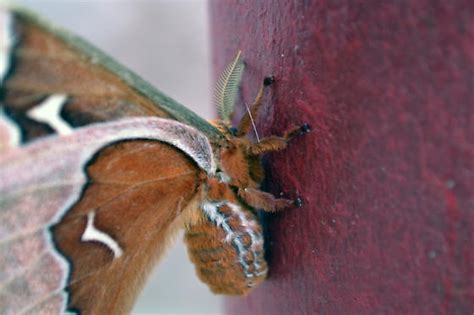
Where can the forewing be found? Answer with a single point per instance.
(83, 216)
(54, 81)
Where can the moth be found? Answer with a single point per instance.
(98, 170)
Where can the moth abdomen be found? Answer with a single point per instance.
(227, 248)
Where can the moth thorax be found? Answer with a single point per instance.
(245, 170)
(227, 248)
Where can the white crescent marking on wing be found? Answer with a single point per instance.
(49, 112)
(91, 233)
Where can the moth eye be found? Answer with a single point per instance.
(233, 131)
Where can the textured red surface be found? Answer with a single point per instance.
(387, 173)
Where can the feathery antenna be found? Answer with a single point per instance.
(227, 87)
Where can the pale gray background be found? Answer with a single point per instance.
(167, 43)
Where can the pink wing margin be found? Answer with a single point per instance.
(39, 182)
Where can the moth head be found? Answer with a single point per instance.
(242, 167)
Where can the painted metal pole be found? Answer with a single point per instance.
(387, 173)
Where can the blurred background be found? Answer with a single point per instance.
(167, 43)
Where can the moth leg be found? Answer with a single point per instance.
(275, 143)
(262, 200)
(269, 144)
(246, 121)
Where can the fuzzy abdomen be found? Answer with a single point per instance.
(227, 248)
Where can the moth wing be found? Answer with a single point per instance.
(63, 200)
(10, 135)
(54, 81)
(83, 217)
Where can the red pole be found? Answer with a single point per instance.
(387, 174)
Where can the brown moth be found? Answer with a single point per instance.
(98, 170)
